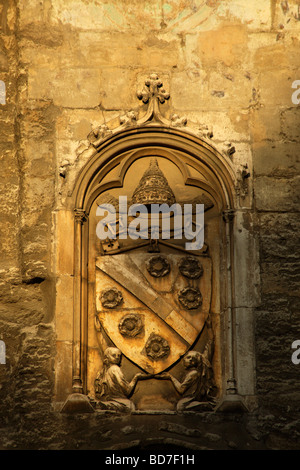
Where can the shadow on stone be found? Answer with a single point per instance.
(77, 403)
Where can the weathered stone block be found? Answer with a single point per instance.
(265, 124)
(193, 95)
(291, 124)
(64, 308)
(72, 88)
(278, 159)
(127, 50)
(273, 194)
(276, 89)
(257, 16)
(76, 124)
(63, 365)
(118, 88)
(64, 221)
(279, 233)
(226, 45)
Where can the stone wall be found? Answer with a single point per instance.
(73, 65)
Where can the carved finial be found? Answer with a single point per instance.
(153, 93)
(153, 89)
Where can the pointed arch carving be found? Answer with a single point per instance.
(136, 142)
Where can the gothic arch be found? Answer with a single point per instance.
(137, 141)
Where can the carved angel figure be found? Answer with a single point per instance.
(197, 385)
(111, 387)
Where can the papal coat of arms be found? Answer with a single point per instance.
(152, 303)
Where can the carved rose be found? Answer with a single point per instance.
(190, 298)
(131, 325)
(111, 297)
(157, 347)
(190, 268)
(158, 266)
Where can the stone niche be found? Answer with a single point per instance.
(145, 324)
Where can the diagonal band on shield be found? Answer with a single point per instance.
(146, 294)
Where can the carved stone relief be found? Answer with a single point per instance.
(112, 390)
(190, 267)
(157, 347)
(153, 297)
(153, 187)
(158, 266)
(131, 325)
(190, 298)
(111, 297)
(156, 305)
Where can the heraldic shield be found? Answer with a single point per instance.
(153, 306)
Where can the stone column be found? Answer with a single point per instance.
(77, 402)
(231, 401)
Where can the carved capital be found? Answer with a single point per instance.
(80, 216)
(228, 215)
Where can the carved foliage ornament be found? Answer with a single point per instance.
(153, 94)
(158, 266)
(153, 89)
(131, 325)
(190, 298)
(111, 297)
(190, 268)
(157, 347)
